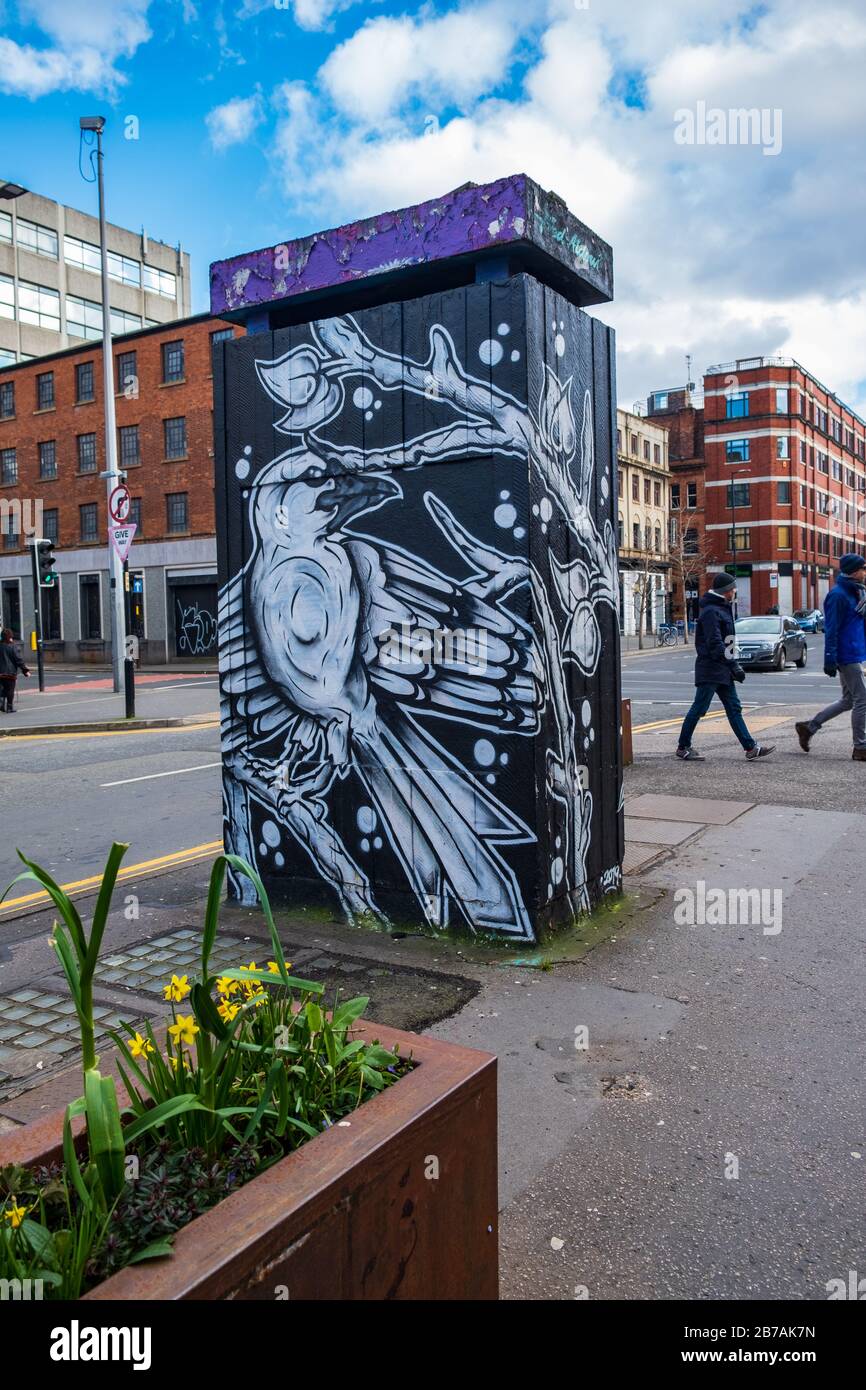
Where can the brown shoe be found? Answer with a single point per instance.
(859, 755)
(804, 734)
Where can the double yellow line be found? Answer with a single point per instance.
(129, 871)
(116, 733)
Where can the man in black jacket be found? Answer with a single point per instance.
(10, 665)
(716, 669)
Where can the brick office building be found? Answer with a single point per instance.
(785, 480)
(681, 412)
(51, 455)
(642, 523)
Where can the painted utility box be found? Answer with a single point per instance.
(419, 644)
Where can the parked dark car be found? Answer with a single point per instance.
(809, 619)
(770, 642)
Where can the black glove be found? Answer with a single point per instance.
(830, 670)
(737, 672)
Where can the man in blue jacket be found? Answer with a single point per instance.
(716, 669)
(844, 653)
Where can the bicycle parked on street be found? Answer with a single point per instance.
(667, 635)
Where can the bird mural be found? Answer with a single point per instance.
(312, 698)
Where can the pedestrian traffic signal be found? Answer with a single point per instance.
(45, 562)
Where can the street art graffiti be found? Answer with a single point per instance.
(440, 477)
(196, 629)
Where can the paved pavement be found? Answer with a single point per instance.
(74, 697)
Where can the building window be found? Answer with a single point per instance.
(172, 361)
(635, 487)
(690, 541)
(88, 521)
(135, 514)
(691, 494)
(782, 446)
(619, 441)
(635, 535)
(646, 491)
(675, 497)
(802, 451)
(158, 282)
(783, 537)
(127, 371)
(39, 305)
(619, 482)
(175, 437)
(51, 613)
(45, 391)
(222, 335)
(783, 494)
(657, 494)
(619, 532)
(87, 453)
(661, 400)
(646, 450)
(7, 400)
(739, 495)
(91, 616)
(84, 382)
(130, 452)
(41, 240)
(6, 226)
(7, 297)
(658, 544)
(736, 407)
(83, 317)
(8, 466)
(740, 539)
(48, 459)
(737, 450)
(122, 322)
(823, 463)
(11, 538)
(837, 470)
(782, 400)
(176, 512)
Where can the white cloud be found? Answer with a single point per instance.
(451, 60)
(85, 43)
(234, 121)
(308, 14)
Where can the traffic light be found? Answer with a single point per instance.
(45, 562)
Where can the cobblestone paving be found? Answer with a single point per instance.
(150, 965)
(34, 1018)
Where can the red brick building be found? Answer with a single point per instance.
(51, 455)
(680, 411)
(785, 480)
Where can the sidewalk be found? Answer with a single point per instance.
(89, 700)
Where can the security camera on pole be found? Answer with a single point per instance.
(111, 475)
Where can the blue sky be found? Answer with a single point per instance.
(260, 120)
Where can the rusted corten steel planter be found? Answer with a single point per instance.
(352, 1214)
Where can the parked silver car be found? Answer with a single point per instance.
(770, 642)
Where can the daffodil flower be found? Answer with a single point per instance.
(177, 989)
(227, 987)
(227, 1011)
(184, 1029)
(15, 1214)
(139, 1046)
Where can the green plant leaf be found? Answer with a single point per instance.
(212, 911)
(157, 1250)
(103, 904)
(166, 1110)
(70, 1157)
(104, 1132)
(346, 1013)
(40, 1240)
(205, 1011)
(64, 904)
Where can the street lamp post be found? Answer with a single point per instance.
(111, 474)
(736, 473)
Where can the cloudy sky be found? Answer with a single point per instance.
(259, 120)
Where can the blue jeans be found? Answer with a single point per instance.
(733, 709)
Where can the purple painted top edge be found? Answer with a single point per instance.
(474, 218)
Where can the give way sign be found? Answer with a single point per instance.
(121, 538)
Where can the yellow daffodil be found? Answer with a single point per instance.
(227, 1011)
(15, 1214)
(227, 987)
(139, 1046)
(177, 989)
(177, 1062)
(184, 1029)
